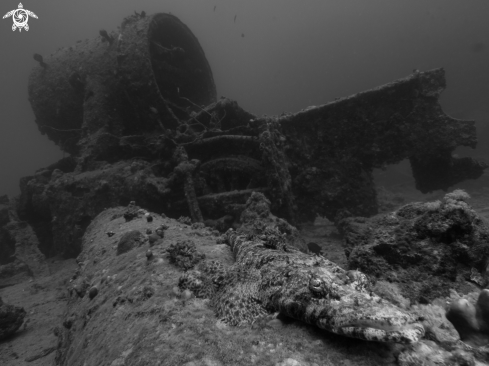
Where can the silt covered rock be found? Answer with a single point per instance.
(130, 240)
(11, 318)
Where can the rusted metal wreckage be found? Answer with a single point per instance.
(147, 92)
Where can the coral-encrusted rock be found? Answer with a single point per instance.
(79, 286)
(257, 216)
(427, 248)
(130, 240)
(132, 212)
(153, 239)
(184, 254)
(11, 318)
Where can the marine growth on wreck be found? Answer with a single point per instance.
(188, 216)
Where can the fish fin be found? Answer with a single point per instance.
(235, 307)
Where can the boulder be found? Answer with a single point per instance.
(11, 318)
(130, 240)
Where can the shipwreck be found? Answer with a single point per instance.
(142, 101)
(149, 141)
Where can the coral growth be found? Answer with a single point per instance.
(184, 254)
(427, 248)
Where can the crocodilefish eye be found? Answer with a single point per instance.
(316, 285)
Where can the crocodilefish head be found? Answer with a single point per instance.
(318, 292)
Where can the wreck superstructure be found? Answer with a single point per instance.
(145, 97)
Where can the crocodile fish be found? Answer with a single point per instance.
(269, 276)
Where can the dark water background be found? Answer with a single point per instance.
(279, 55)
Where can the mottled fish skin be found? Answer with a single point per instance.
(316, 291)
(270, 277)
